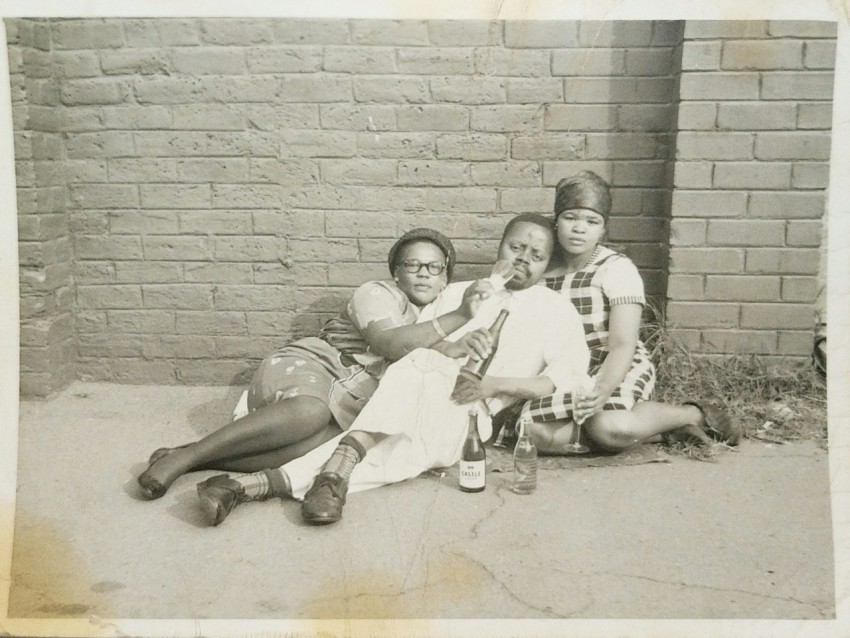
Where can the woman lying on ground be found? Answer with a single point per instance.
(312, 389)
(607, 290)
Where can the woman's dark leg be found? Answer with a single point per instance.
(269, 428)
(275, 458)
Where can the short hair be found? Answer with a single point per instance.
(531, 218)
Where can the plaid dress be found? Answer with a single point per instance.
(586, 289)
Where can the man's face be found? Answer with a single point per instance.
(528, 247)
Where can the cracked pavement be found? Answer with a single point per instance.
(747, 536)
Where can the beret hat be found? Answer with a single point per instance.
(424, 234)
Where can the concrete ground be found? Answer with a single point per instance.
(747, 536)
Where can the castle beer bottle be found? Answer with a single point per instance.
(472, 460)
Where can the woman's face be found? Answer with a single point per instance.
(580, 230)
(421, 286)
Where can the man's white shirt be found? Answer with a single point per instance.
(543, 334)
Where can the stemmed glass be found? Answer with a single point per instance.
(577, 447)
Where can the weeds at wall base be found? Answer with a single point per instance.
(774, 403)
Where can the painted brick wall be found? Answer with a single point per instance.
(47, 337)
(195, 192)
(750, 181)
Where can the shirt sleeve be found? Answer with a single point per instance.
(621, 282)
(375, 301)
(565, 354)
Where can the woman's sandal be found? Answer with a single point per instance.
(718, 424)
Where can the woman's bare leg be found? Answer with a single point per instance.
(553, 437)
(616, 430)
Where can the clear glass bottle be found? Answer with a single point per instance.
(525, 460)
(472, 474)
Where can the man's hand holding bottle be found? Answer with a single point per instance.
(469, 388)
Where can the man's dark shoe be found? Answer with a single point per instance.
(323, 502)
(218, 496)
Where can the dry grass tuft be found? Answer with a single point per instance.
(775, 403)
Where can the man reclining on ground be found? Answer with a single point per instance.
(414, 422)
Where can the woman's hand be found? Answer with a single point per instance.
(475, 293)
(476, 345)
(589, 403)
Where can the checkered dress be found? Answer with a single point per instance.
(593, 305)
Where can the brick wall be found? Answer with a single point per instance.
(46, 286)
(750, 178)
(224, 184)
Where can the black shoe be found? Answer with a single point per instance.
(323, 502)
(151, 487)
(164, 451)
(219, 495)
(718, 424)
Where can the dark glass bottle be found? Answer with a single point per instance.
(478, 367)
(472, 475)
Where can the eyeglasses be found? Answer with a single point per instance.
(413, 266)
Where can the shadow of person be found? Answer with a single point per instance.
(185, 508)
(207, 417)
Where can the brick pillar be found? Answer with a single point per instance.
(46, 287)
(749, 188)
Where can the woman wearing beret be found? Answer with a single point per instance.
(607, 290)
(308, 391)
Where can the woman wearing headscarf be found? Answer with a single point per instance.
(607, 290)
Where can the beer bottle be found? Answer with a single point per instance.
(478, 367)
(472, 459)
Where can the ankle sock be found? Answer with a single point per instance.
(351, 440)
(269, 483)
(346, 455)
(279, 484)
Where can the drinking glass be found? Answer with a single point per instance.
(577, 447)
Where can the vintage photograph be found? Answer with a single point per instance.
(416, 325)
